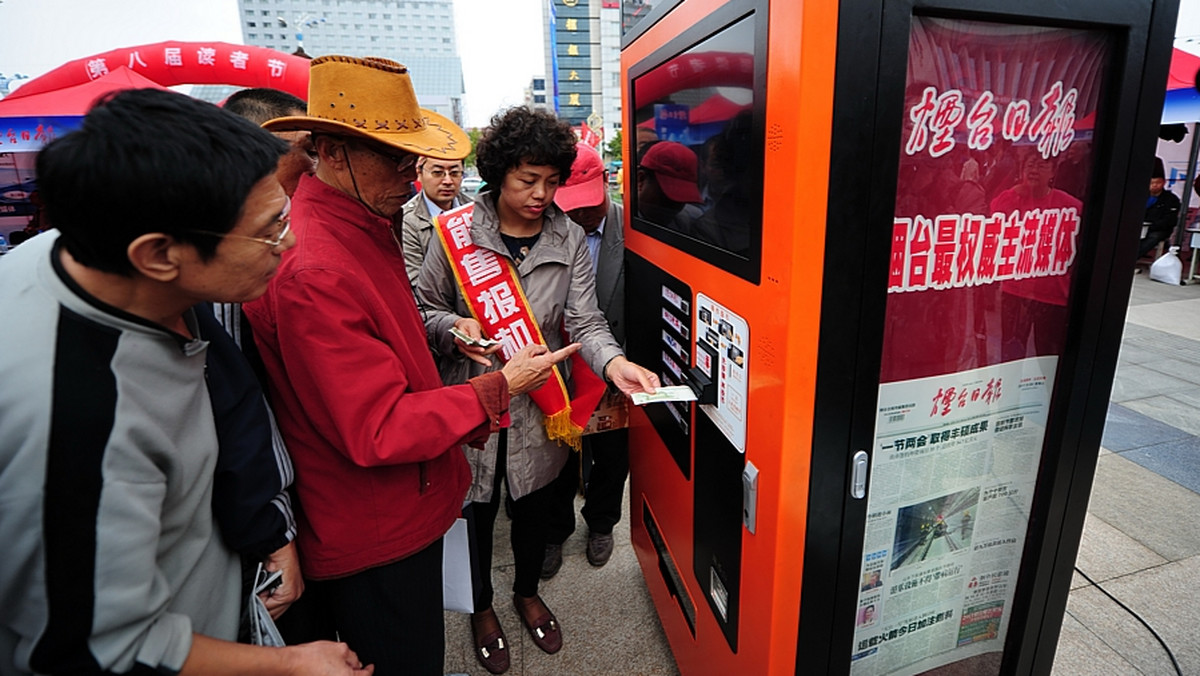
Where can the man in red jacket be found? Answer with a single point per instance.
(373, 433)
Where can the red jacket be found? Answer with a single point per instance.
(373, 433)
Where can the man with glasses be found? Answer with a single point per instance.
(373, 433)
(115, 471)
(441, 190)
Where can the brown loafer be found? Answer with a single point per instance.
(491, 650)
(544, 631)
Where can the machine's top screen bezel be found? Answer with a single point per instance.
(749, 266)
(639, 25)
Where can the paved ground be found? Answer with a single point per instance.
(1141, 542)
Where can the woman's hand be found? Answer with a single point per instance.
(629, 377)
(476, 353)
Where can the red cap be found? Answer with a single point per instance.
(674, 167)
(585, 187)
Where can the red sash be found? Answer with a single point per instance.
(492, 289)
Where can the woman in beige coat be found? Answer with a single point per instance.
(523, 156)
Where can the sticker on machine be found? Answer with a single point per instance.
(729, 334)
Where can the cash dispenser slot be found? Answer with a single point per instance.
(668, 570)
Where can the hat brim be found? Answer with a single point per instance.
(589, 194)
(440, 138)
(678, 189)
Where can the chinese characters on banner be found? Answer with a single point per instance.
(192, 57)
(994, 163)
(30, 134)
(175, 63)
(484, 271)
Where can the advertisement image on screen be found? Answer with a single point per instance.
(994, 166)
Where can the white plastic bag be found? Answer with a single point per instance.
(262, 628)
(1168, 269)
(457, 593)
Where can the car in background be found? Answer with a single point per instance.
(471, 185)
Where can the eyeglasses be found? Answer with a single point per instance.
(439, 174)
(284, 222)
(403, 161)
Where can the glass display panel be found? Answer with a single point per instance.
(634, 11)
(995, 162)
(697, 176)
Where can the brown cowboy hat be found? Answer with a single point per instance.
(373, 98)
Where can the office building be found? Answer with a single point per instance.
(417, 33)
(583, 62)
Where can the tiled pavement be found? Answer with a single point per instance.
(1141, 542)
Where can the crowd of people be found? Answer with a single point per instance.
(236, 356)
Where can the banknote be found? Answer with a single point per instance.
(668, 393)
(482, 342)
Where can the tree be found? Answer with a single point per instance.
(613, 147)
(474, 135)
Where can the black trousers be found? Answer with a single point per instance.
(605, 461)
(1152, 239)
(529, 528)
(391, 616)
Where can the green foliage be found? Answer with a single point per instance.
(474, 134)
(612, 149)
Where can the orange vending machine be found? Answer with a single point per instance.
(883, 243)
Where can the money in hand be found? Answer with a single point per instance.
(669, 393)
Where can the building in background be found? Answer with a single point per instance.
(535, 95)
(583, 63)
(417, 33)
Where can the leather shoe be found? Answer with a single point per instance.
(544, 630)
(552, 562)
(599, 548)
(492, 649)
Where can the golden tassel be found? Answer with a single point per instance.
(560, 428)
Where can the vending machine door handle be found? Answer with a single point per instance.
(858, 475)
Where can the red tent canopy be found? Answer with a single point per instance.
(75, 100)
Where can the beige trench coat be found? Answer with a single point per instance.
(558, 280)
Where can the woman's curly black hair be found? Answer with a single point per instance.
(522, 135)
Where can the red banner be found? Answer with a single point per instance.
(176, 63)
(492, 290)
(588, 136)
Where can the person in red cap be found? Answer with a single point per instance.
(584, 197)
(667, 186)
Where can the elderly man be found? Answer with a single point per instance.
(372, 431)
(111, 446)
(585, 199)
(441, 190)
